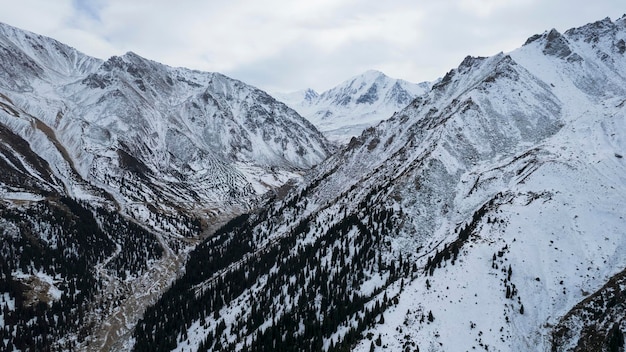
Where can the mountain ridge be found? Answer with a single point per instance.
(113, 171)
(477, 217)
(126, 76)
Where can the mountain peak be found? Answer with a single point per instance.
(177, 123)
(28, 57)
(553, 43)
(556, 45)
(345, 110)
(310, 94)
(368, 77)
(131, 55)
(373, 74)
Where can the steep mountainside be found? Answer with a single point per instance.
(174, 134)
(112, 170)
(349, 108)
(486, 215)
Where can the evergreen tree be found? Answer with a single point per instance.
(431, 318)
(616, 339)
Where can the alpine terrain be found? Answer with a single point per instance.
(111, 172)
(151, 208)
(486, 215)
(349, 108)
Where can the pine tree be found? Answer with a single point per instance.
(616, 339)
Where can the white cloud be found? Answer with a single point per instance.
(487, 8)
(284, 45)
(36, 15)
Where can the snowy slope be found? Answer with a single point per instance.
(485, 215)
(176, 136)
(555, 219)
(362, 101)
(112, 171)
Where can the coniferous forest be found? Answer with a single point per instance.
(319, 288)
(80, 238)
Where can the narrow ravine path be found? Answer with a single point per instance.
(112, 330)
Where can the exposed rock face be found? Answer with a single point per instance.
(556, 45)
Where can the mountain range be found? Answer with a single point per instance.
(121, 166)
(349, 108)
(485, 214)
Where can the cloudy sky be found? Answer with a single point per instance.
(286, 45)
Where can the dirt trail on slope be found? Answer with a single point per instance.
(114, 332)
(75, 175)
(49, 132)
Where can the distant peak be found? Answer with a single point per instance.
(550, 35)
(470, 61)
(532, 39)
(131, 55)
(556, 45)
(553, 42)
(373, 74)
(593, 30)
(310, 94)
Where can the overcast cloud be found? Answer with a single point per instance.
(281, 45)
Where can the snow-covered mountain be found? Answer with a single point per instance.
(486, 215)
(181, 135)
(349, 108)
(112, 171)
